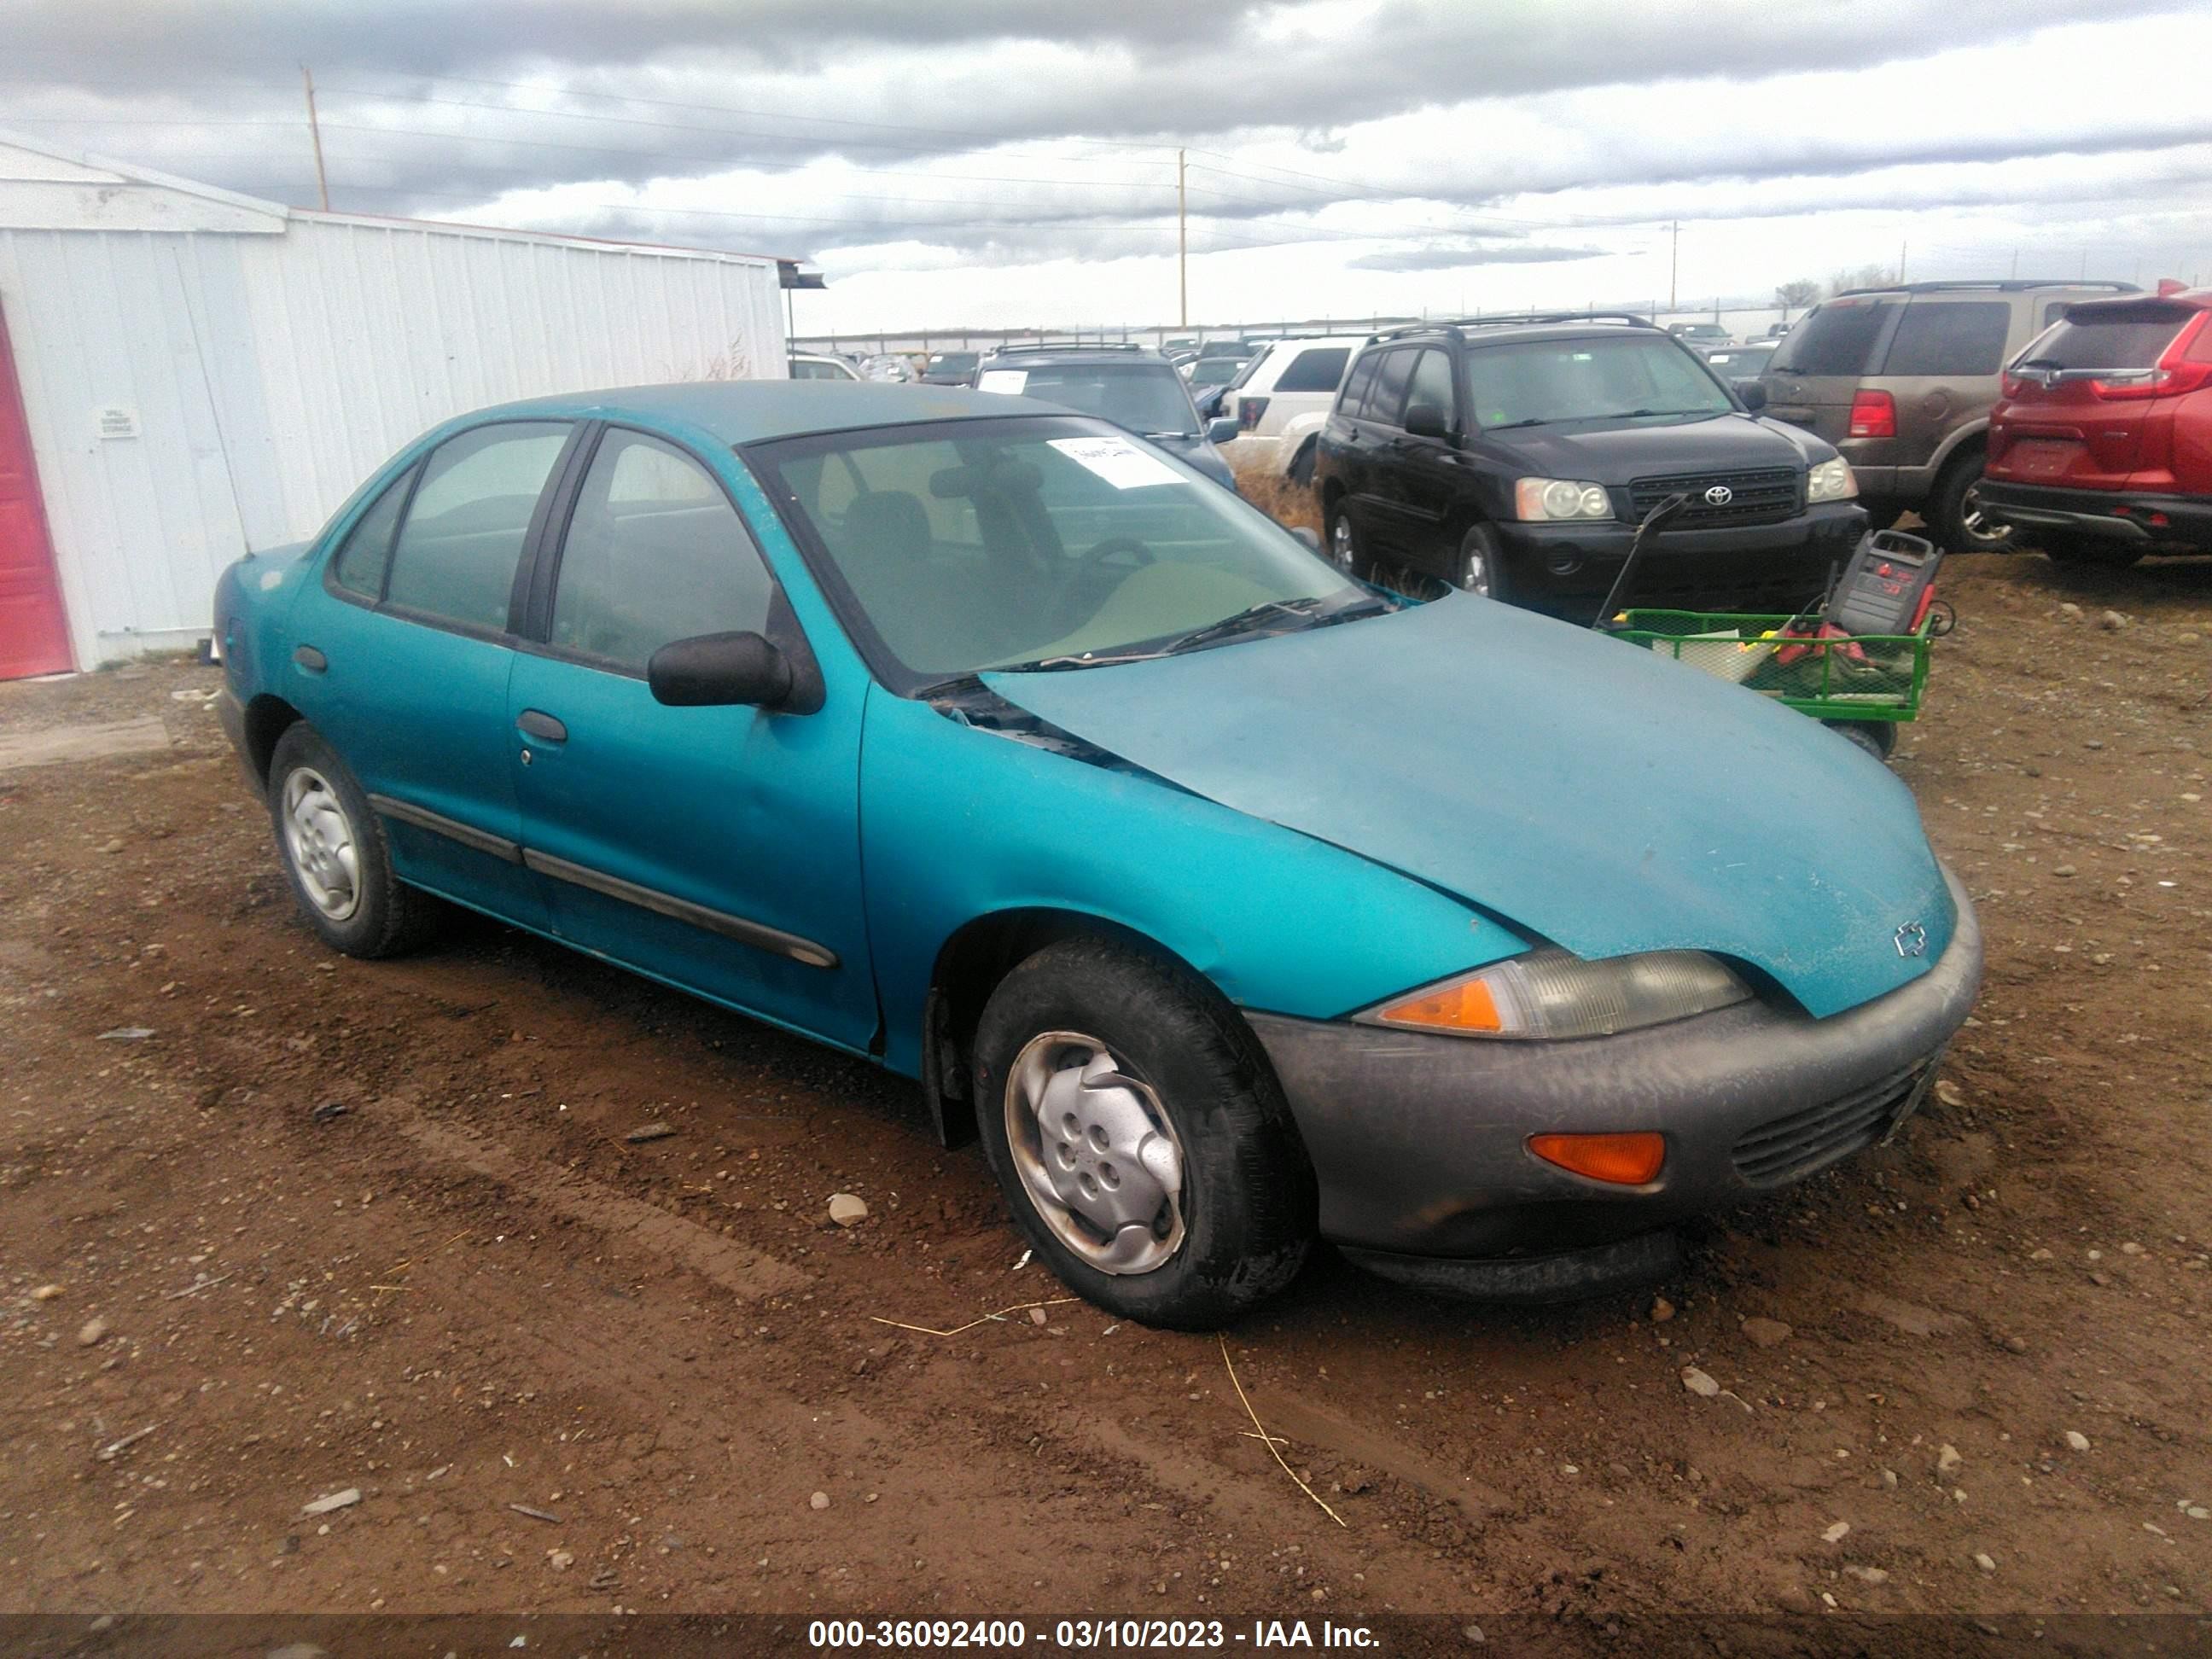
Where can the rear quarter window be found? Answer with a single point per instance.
(1837, 338)
(1356, 388)
(1317, 370)
(1949, 336)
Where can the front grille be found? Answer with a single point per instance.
(1766, 496)
(1792, 1147)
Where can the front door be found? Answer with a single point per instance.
(34, 627)
(715, 848)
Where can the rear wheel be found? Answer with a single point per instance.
(1955, 514)
(1140, 1137)
(336, 854)
(2081, 553)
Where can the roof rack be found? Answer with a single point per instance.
(1518, 320)
(1993, 285)
(1074, 345)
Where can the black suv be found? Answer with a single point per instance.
(1513, 456)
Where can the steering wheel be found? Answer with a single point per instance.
(1116, 552)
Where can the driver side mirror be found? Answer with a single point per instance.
(1752, 393)
(1426, 421)
(714, 670)
(1221, 429)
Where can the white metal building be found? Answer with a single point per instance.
(198, 372)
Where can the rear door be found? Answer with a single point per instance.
(403, 654)
(1940, 369)
(1818, 369)
(33, 629)
(2081, 403)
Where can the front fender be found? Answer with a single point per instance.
(959, 823)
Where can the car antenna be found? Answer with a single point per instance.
(1658, 518)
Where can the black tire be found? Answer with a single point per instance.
(2082, 553)
(1302, 465)
(387, 917)
(1340, 543)
(1953, 518)
(1247, 1193)
(1481, 541)
(1877, 738)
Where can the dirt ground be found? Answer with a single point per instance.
(330, 1225)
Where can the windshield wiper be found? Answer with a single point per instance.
(1638, 414)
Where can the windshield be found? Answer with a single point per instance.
(1740, 363)
(1538, 382)
(958, 546)
(1144, 397)
(1216, 371)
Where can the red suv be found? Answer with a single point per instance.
(2102, 451)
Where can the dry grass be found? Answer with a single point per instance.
(1281, 499)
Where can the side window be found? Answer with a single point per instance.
(1835, 338)
(1949, 336)
(655, 552)
(1357, 388)
(1432, 384)
(456, 554)
(1387, 401)
(1316, 370)
(366, 553)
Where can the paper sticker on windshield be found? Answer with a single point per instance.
(1008, 381)
(1118, 461)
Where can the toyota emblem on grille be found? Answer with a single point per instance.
(1719, 496)
(1911, 939)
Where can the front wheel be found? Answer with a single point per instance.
(1140, 1137)
(1344, 551)
(336, 854)
(1480, 570)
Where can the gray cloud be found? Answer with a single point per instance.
(1457, 258)
(426, 110)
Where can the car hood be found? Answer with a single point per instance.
(1584, 789)
(1614, 454)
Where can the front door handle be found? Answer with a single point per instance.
(542, 726)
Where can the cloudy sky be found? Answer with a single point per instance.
(1012, 162)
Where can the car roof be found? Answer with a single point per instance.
(1058, 355)
(751, 411)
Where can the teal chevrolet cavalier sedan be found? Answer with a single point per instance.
(1233, 904)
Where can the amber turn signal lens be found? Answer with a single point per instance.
(1630, 1160)
(1465, 1005)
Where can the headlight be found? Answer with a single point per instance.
(1560, 498)
(1554, 994)
(1831, 481)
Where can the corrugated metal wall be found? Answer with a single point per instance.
(268, 373)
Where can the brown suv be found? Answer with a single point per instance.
(1901, 380)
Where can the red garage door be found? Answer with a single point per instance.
(33, 631)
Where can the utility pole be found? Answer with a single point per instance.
(1673, 262)
(2015, 262)
(1901, 246)
(1182, 247)
(315, 131)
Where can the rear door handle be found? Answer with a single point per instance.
(310, 658)
(542, 726)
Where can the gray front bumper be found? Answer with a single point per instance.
(1420, 1142)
